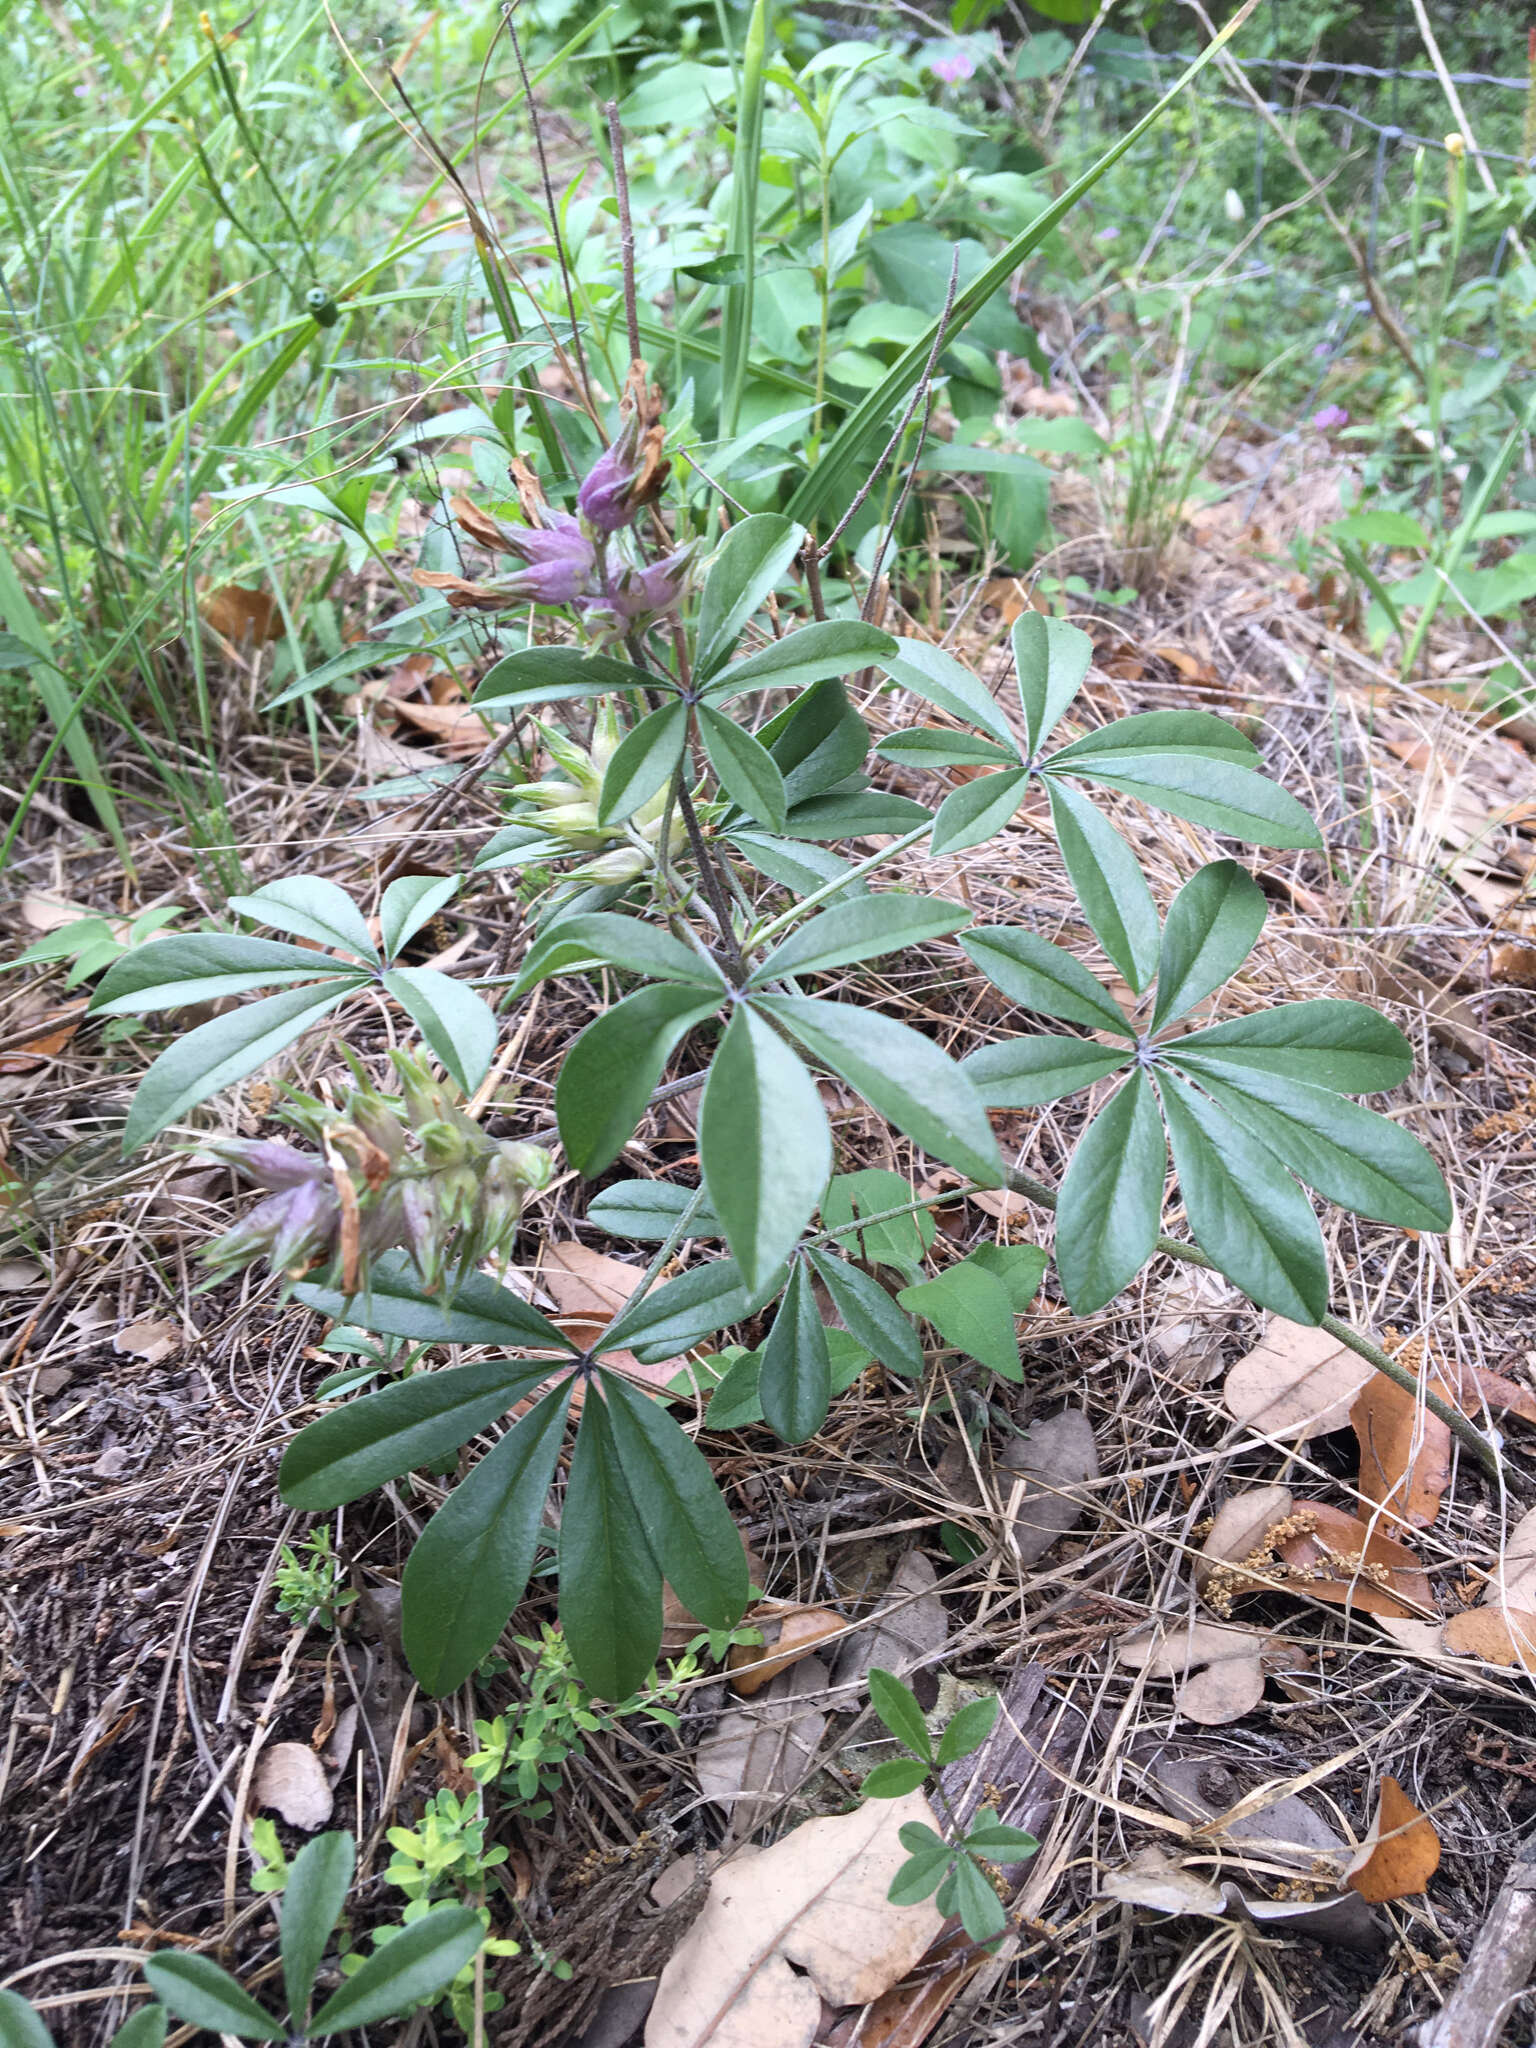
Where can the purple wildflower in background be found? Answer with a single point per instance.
(1329, 417)
(953, 68)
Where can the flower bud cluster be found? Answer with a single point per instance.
(565, 805)
(410, 1171)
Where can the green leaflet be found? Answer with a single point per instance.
(607, 1077)
(747, 566)
(1213, 925)
(1050, 662)
(871, 1316)
(408, 1970)
(1210, 790)
(744, 768)
(794, 1379)
(1042, 977)
(459, 1025)
(939, 679)
(764, 1144)
(861, 930)
(319, 1879)
(603, 937)
(1111, 1202)
(1109, 883)
(811, 654)
(470, 1565)
(688, 1526)
(1244, 1208)
(610, 1583)
(977, 810)
(548, 675)
(312, 908)
(396, 1304)
(1023, 1073)
(1327, 1042)
(199, 967)
(643, 762)
(971, 1309)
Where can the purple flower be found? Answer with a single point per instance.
(625, 477)
(271, 1163)
(560, 560)
(634, 594)
(954, 67)
(1329, 417)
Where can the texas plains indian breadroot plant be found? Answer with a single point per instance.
(702, 693)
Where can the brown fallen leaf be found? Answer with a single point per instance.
(1405, 1451)
(1236, 1537)
(235, 612)
(291, 1780)
(757, 1754)
(460, 732)
(1400, 1854)
(1295, 1384)
(814, 1903)
(1053, 1468)
(1153, 1879)
(148, 1339)
(16, 1275)
(42, 1038)
(1494, 1635)
(907, 2014)
(908, 1627)
(1514, 1580)
(1350, 1562)
(789, 1633)
(1514, 965)
(1222, 1669)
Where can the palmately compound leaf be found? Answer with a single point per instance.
(1213, 925)
(871, 1316)
(1032, 972)
(1244, 1209)
(1111, 1201)
(1051, 660)
(610, 1582)
(319, 1879)
(1024, 1073)
(688, 1525)
(471, 1563)
(764, 1143)
(383, 1436)
(1109, 883)
(1328, 1042)
(795, 1379)
(609, 1073)
(900, 1073)
(1362, 1161)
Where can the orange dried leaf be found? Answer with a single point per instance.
(1494, 1636)
(1400, 1854)
(1353, 1563)
(1405, 1452)
(752, 1665)
(235, 612)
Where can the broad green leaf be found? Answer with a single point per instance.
(861, 930)
(897, 1706)
(1023, 1073)
(813, 654)
(602, 937)
(1328, 1042)
(146, 2028)
(671, 1319)
(978, 810)
(609, 1073)
(198, 967)
(747, 566)
(735, 1402)
(395, 1304)
(893, 1780)
(459, 1025)
(353, 1449)
(928, 672)
(1050, 660)
(764, 1144)
(1108, 882)
(799, 866)
(1362, 1161)
(971, 1309)
(471, 1563)
(1020, 1267)
(223, 1050)
(1209, 791)
(817, 740)
(319, 1879)
(744, 768)
(920, 1875)
(1038, 976)
(1244, 1208)
(1162, 732)
(899, 1242)
(548, 675)
(650, 1210)
(410, 1969)
(967, 1892)
(1110, 1206)
(311, 908)
(408, 904)
(794, 1382)
(870, 1314)
(687, 1524)
(643, 763)
(988, 1836)
(854, 815)
(1213, 925)
(1381, 529)
(937, 746)
(20, 2025)
(194, 1988)
(968, 1729)
(901, 1074)
(610, 1583)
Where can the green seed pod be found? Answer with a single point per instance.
(321, 307)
